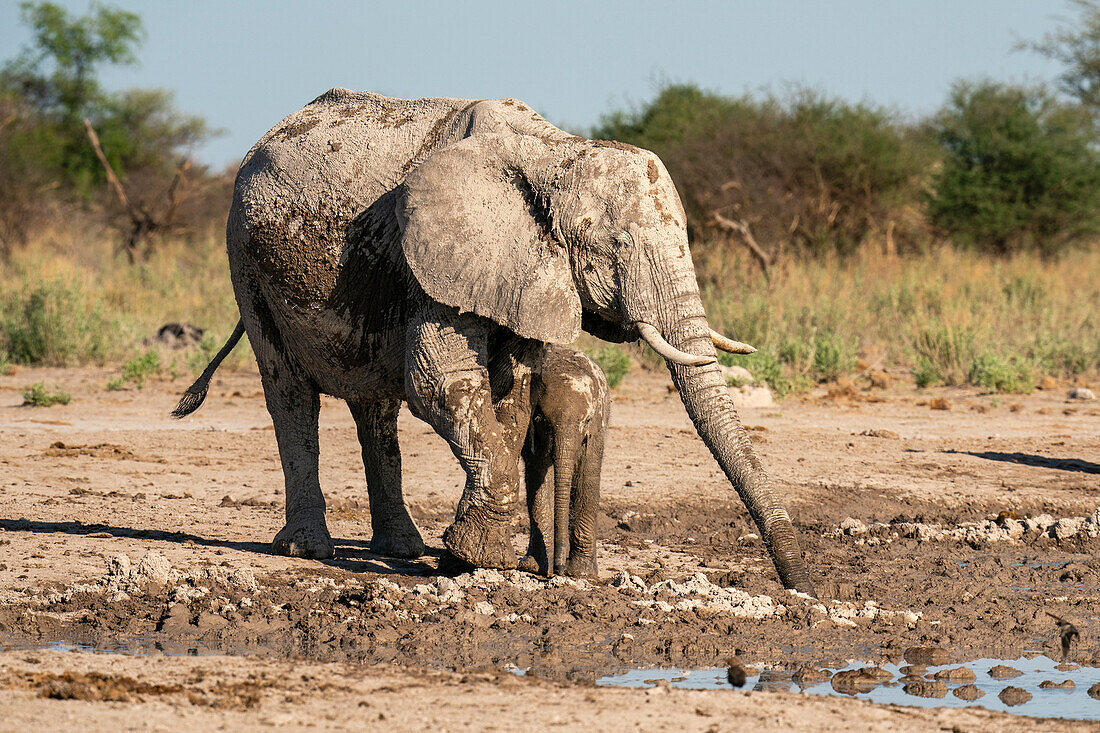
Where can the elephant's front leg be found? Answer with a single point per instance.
(447, 385)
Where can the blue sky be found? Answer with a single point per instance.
(244, 64)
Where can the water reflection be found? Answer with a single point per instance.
(1067, 692)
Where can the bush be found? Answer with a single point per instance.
(997, 374)
(30, 164)
(1066, 357)
(833, 357)
(770, 369)
(37, 395)
(54, 323)
(614, 362)
(47, 165)
(807, 173)
(136, 370)
(944, 355)
(1021, 170)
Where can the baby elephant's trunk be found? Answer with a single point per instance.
(565, 458)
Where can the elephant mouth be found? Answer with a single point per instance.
(607, 330)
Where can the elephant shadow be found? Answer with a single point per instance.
(351, 555)
(356, 556)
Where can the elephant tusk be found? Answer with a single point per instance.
(657, 342)
(729, 345)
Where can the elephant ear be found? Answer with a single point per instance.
(478, 238)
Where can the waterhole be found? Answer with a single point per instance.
(921, 690)
(1032, 685)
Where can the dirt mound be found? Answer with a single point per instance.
(100, 450)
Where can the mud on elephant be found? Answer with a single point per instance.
(382, 249)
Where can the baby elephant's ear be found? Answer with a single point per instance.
(478, 238)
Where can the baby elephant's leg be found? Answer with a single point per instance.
(538, 475)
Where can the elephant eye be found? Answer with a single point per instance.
(620, 241)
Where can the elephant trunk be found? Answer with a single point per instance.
(565, 452)
(677, 312)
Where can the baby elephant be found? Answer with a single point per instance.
(570, 403)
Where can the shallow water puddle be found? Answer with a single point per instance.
(1072, 703)
(915, 685)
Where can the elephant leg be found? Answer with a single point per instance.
(394, 533)
(294, 404)
(447, 385)
(538, 466)
(584, 501)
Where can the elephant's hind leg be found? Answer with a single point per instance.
(294, 405)
(395, 535)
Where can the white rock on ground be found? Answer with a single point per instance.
(737, 374)
(1006, 530)
(751, 396)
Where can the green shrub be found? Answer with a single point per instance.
(768, 369)
(997, 374)
(1066, 357)
(833, 357)
(198, 357)
(796, 353)
(55, 323)
(37, 395)
(925, 373)
(136, 370)
(1021, 169)
(614, 362)
(944, 355)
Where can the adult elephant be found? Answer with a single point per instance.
(383, 249)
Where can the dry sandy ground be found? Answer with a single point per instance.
(192, 506)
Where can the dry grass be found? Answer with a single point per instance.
(951, 316)
(71, 300)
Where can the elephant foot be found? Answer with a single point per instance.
(483, 542)
(304, 538)
(530, 565)
(582, 567)
(397, 537)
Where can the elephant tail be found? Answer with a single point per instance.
(193, 398)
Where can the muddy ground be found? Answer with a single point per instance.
(957, 528)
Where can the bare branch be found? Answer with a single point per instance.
(742, 228)
(111, 177)
(174, 188)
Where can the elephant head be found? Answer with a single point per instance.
(537, 231)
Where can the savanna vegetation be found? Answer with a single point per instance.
(833, 236)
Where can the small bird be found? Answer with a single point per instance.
(1067, 631)
(735, 673)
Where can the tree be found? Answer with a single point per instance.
(55, 78)
(51, 88)
(1020, 169)
(1077, 45)
(57, 73)
(800, 173)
